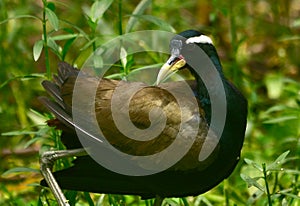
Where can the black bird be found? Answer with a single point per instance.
(189, 176)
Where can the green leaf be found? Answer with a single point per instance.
(276, 108)
(65, 37)
(71, 195)
(152, 66)
(139, 9)
(98, 9)
(51, 6)
(254, 197)
(254, 164)
(66, 47)
(56, 49)
(32, 141)
(98, 62)
(19, 17)
(115, 76)
(23, 77)
(92, 24)
(290, 195)
(274, 84)
(290, 171)
(88, 198)
(20, 169)
(37, 49)
(53, 19)
(296, 24)
(280, 119)
(159, 22)
(18, 132)
(82, 33)
(34, 185)
(252, 182)
(278, 162)
(88, 44)
(123, 57)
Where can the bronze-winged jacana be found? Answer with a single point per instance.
(189, 176)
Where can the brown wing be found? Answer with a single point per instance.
(142, 110)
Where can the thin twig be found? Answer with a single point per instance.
(267, 185)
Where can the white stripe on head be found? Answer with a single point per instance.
(199, 39)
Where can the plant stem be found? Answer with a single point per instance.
(120, 18)
(226, 192)
(267, 185)
(48, 71)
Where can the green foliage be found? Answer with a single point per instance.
(258, 42)
(267, 172)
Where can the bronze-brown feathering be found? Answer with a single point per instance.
(188, 176)
(142, 102)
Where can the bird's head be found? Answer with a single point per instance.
(182, 47)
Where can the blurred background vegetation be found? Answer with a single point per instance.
(259, 45)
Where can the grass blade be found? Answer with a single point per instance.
(37, 49)
(141, 7)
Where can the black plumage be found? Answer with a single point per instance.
(188, 176)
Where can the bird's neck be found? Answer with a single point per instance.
(202, 92)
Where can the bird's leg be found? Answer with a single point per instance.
(47, 160)
(158, 201)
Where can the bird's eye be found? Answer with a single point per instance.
(176, 44)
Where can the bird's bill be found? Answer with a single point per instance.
(173, 64)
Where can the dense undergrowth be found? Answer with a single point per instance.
(258, 42)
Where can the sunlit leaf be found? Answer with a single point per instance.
(123, 57)
(37, 49)
(99, 8)
(20, 169)
(88, 44)
(32, 141)
(115, 76)
(274, 84)
(153, 66)
(276, 108)
(276, 165)
(202, 199)
(280, 119)
(98, 62)
(254, 197)
(74, 26)
(157, 21)
(290, 195)
(17, 133)
(55, 47)
(34, 185)
(19, 17)
(296, 24)
(290, 171)
(53, 19)
(23, 77)
(254, 164)
(65, 37)
(139, 9)
(252, 182)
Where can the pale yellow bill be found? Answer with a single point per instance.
(169, 69)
